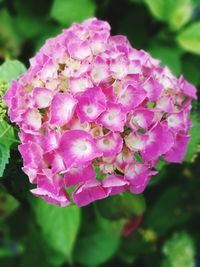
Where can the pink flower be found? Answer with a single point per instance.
(91, 101)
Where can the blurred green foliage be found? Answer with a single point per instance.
(159, 228)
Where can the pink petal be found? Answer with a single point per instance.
(99, 70)
(32, 118)
(62, 199)
(115, 184)
(141, 119)
(79, 84)
(153, 89)
(79, 50)
(32, 154)
(78, 147)
(130, 97)
(177, 152)
(136, 141)
(110, 144)
(138, 175)
(62, 108)
(160, 140)
(91, 104)
(42, 97)
(77, 175)
(89, 192)
(187, 88)
(113, 118)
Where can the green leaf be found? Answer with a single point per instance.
(167, 212)
(59, 226)
(4, 158)
(176, 13)
(100, 242)
(9, 39)
(179, 250)
(7, 137)
(29, 26)
(8, 204)
(126, 205)
(169, 56)
(10, 70)
(67, 12)
(189, 38)
(193, 146)
(190, 68)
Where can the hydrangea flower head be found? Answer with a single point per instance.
(90, 101)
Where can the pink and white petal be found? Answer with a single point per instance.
(79, 50)
(177, 152)
(32, 173)
(75, 124)
(113, 118)
(91, 104)
(51, 140)
(153, 89)
(119, 67)
(32, 119)
(136, 141)
(78, 175)
(159, 141)
(99, 70)
(87, 110)
(177, 121)
(89, 192)
(60, 200)
(77, 147)
(79, 84)
(32, 155)
(141, 119)
(42, 97)
(165, 103)
(115, 184)
(110, 144)
(62, 109)
(131, 97)
(138, 175)
(57, 164)
(187, 88)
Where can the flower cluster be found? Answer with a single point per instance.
(89, 101)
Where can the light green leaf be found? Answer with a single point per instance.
(4, 158)
(10, 70)
(59, 226)
(189, 38)
(176, 13)
(7, 137)
(179, 251)
(67, 12)
(193, 146)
